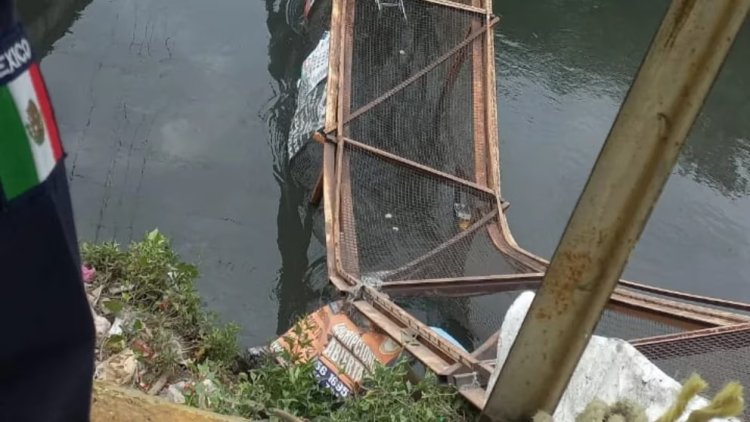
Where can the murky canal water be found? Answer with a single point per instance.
(175, 112)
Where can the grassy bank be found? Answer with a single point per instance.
(153, 333)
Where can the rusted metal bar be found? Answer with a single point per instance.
(678, 314)
(726, 304)
(329, 175)
(415, 77)
(445, 245)
(337, 201)
(690, 335)
(349, 262)
(345, 96)
(411, 334)
(660, 315)
(417, 332)
(718, 316)
(499, 234)
(350, 259)
(670, 312)
(490, 155)
(455, 5)
(419, 167)
(479, 96)
(329, 149)
(463, 286)
(344, 28)
(473, 393)
(343, 208)
(686, 315)
(435, 361)
(703, 342)
(522, 259)
(623, 187)
(334, 54)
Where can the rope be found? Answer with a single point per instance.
(692, 387)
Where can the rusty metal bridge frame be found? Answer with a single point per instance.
(700, 318)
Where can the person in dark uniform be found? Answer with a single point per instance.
(47, 337)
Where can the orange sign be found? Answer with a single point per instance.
(343, 352)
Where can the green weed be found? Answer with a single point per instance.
(154, 293)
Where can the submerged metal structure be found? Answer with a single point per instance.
(411, 196)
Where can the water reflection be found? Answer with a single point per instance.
(564, 69)
(158, 106)
(569, 45)
(593, 48)
(301, 284)
(718, 151)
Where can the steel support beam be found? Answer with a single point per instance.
(457, 5)
(703, 300)
(633, 166)
(419, 167)
(463, 286)
(692, 335)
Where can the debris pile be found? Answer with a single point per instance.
(154, 335)
(151, 329)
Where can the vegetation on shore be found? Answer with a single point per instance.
(159, 338)
(154, 334)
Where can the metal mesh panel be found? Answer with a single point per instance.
(470, 320)
(410, 224)
(629, 327)
(429, 122)
(429, 116)
(413, 94)
(741, 309)
(388, 48)
(718, 358)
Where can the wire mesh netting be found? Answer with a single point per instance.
(737, 309)
(462, 317)
(625, 326)
(409, 224)
(718, 358)
(430, 119)
(425, 123)
(408, 203)
(389, 45)
(416, 83)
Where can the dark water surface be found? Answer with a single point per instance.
(175, 112)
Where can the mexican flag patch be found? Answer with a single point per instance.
(29, 140)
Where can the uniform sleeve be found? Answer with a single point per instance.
(47, 347)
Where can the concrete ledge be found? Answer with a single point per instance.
(116, 404)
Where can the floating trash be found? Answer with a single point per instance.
(463, 215)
